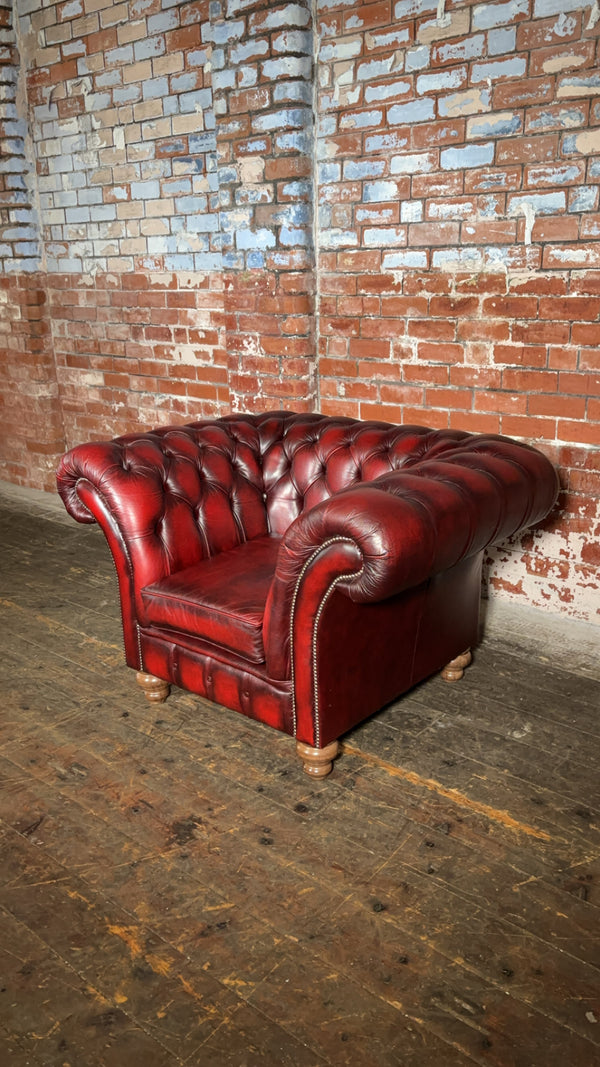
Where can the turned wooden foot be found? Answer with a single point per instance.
(454, 670)
(318, 762)
(156, 689)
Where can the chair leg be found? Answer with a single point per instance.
(318, 762)
(155, 689)
(454, 670)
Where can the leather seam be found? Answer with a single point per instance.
(330, 590)
(125, 553)
(340, 578)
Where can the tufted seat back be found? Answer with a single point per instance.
(316, 456)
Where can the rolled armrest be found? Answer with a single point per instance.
(408, 525)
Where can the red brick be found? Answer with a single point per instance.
(432, 329)
(429, 234)
(501, 402)
(528, 427)
(381, 371)
(474, 422)
(543, 332)
(556, 406)
(482, 330)
(398, 393)
(522, 355)
(449, 398)
(492, 179)
(430, 134)
(371, 15)
(546, 229)
(582, 53)
(512, 307)
(440, 353)
(369, 348)
(562, 358)
(404, 306)
(522, 92)
(338, 368)
(575, 308)
(488, 231)
(586, 432)
(580, 384)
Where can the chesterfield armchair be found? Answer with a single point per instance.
(301, 569)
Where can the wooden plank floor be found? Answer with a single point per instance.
(174, 890)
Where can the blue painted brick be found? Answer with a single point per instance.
(208, 261)
(293, 142)
(502, 41)
(246, 50)
(155, 87)
(469, 156)
(184, 83)
(360, 119)
(356, 170)
(544, 8)
(145, 190)
(294, 237)
(202, 142)
(445, 79)
(198, 100)
(261, 238)
(165, 20)
(487, 16)
(292, 92)
(129, 94)
(119, 55)
(223, 32)
(410, 8)
(415, 111)
(494, 125)
(585, 198)
(401, 260)
(290, 15)
(513, 67)
(287, 67)
(199, 58)
(300, 190)
(149, 47)
(223, 79)
(277, 120)
(375, 192)
(293, 41)
(179, 262)
(542, 203)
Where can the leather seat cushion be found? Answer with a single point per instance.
(221, 599)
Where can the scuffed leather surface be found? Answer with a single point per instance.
(368, 509)
(221, 599)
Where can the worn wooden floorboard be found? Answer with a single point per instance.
(173, 890)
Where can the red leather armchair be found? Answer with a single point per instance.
(301, 569)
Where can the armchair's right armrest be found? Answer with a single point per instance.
(376, 539)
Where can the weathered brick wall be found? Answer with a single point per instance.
(459, 159)
(262, 81)
(386, 210)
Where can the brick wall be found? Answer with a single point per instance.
(385, 210)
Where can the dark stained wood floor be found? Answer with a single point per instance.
(174, 890)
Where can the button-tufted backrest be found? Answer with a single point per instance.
(316, 456)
